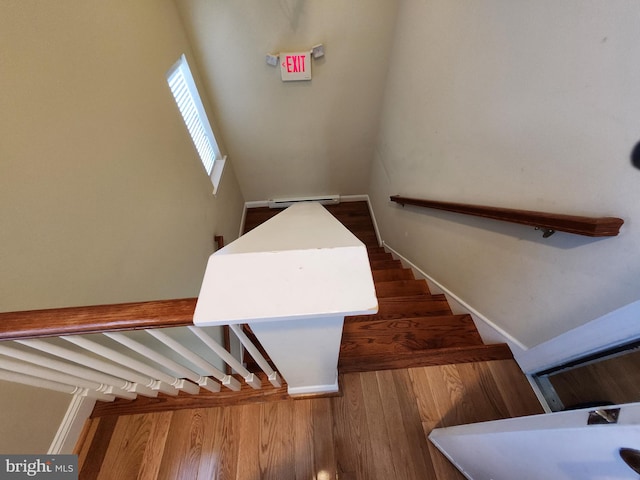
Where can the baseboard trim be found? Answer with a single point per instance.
(343, 198)
(70, 429)
(489, 331)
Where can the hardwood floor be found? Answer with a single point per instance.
(376, 429)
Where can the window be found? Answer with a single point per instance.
(184, 90)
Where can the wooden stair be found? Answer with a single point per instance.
(412, 326)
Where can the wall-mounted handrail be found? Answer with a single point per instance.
(548, 222)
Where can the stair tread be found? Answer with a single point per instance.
(398, 307)
(395, 288)
(377, 257)
(392, 274)
(424, 358)
(408, 334)
(384, 264)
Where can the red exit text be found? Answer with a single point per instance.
(294, 63)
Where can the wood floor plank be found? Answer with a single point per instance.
(515, 389)
(152, 457)
(450, 396)
(249, 441)
(276, 443)
(431, 386)
(302, 430)
(83, 445)
(227, 446)
(210, 454)
(123, 458)
(481, 389)
(408, 444)
(383, 467)
(323, 441)
(99, 445)
(353, 450)
(183, 448)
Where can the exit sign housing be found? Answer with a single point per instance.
(295, 66)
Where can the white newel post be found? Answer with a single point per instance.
(293, 279)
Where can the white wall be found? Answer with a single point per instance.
(295, 138)
(102, 196)
(530, 105)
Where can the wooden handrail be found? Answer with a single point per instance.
(98, 318)
(548, 222)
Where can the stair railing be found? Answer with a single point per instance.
(549, 223)
(91, 352)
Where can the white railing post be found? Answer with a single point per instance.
(108, 384)
(175, 367)
(251, 379)
(272, 375)
(48, 374)
(50, 385)
(169, 383)
(226, 380)
(143, 385)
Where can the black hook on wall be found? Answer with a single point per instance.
(635, 156)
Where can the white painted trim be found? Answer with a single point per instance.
(256, 204)
(613, 329)
(354, 198)
(373, 219)
(314, 389)
(343, 198)
(489, 331)
(538, 393)
(72, 424)
(242, 220)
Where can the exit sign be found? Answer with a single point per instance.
(295, 66)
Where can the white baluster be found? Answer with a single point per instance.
(48, 374)
(142, 385)
(108, 384)
(170, 383)
(249, 377)
(51, 385)
(227, 380)
(273, 376)
(176, 368)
